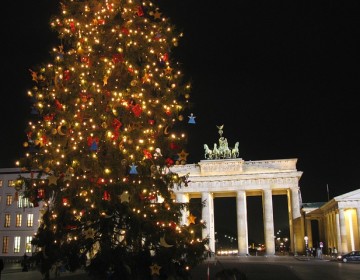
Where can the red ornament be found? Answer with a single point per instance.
(168, 112)
(106, 196)
(85, 60)
(58, 105)
(72, 26)
(151, 122)
(173, 146)
(101, 21)
(71, 227)
(147, 154)
(41, 193)
(118, 57)
(124, 30)
(137, 110)
(66, 75)
(43, 140)
(49, 118)
(169, 162)
(164, 57)
(101, 181)
(116, 124)
(140, 11)
(65, 201)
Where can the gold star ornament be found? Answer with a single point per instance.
(124, 197)
(183, 155)
(155, 269)
(89, 233)
(191, 219)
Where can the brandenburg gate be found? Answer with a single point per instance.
(221, 175)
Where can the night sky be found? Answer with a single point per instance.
(282, 76)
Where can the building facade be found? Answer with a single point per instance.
(19, 219)
(336, 221)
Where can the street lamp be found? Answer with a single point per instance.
(306, 244)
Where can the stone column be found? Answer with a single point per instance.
(343, 236)
(292, 240)
(295, 203)
(327, 238)
(208, 217)
(241, 218)
(309, 232)
(333, 221)
(330, 243)
(358, 223)
(268, 222)
(338, 235)
(183, 198)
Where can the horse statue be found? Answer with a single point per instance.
(224, 151)
(235, 151)
(227, 152)
(208, 152)
(216, 152)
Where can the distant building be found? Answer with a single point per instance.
(334, 224)
(19, 219)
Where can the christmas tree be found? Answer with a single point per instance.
(107, 126)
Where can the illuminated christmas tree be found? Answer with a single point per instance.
(106, 129)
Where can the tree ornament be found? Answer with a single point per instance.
(191, 219)
(183, 155)
(117, 58)
(163, 242)
(106, 196)
(169, 162)
(124, 197)
(137, 110)
(155, 269)
(133, 169)
(34, 75)
(140, 11)
(89, 233)
(93, 143)
(147, 154)
(192, 118)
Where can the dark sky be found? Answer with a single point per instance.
(282, 76)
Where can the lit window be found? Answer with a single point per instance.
(28, 244)
(18, 220)
(11, 183)
(30, 220)
(24, 202)
(1, 183)
(8, 199)
(5, 247)
(7, 220)
(17, 244)
(20, 203)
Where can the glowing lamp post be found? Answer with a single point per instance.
(306, 239)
